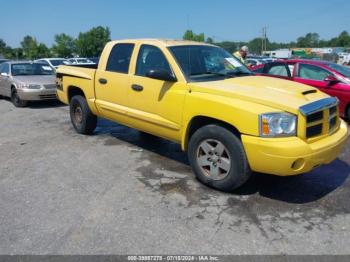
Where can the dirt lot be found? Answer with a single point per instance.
(120, 191)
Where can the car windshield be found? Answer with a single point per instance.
(345, 71)
(25, 69)
(57, 62)
(206, 63)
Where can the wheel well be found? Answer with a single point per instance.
(73, 91)
(200, 121)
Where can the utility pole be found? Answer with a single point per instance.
(264, 39)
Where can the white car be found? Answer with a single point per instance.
(80, 61)
(53, 62)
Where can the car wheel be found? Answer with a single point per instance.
(17, 102)
(217, 158)
(83, 120)
(348, 113)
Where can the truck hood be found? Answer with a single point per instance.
(280, 94)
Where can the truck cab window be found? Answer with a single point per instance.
(151, 58)
(119, 59)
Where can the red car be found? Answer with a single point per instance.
(329, 77)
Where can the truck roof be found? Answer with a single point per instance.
(164, 42)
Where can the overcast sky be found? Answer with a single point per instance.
(221, 19)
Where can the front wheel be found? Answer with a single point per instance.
(16, 100)
(348, 113)
(217, 158)
(83, 120)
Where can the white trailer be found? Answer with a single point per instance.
(279, 53)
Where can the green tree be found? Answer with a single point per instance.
(30, 47)
(309, 40)
(64, 45)
(189, 35)
(92, 42)
(230, 47)
(210, 40)
(42, 51)
(255, 45)
(343, 39)
(2, 45)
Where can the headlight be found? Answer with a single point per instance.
(22, 85)
(277, 124)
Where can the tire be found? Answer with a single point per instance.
(347, 113)
(83, 121)
(227, 170)
(16, 101)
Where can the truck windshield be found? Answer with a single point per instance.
(25, 69)
(207, 63)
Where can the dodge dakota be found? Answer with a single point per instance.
(229, 121)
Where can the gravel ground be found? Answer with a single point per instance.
(123, 192)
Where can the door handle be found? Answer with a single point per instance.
(137, 88)
(102, 81)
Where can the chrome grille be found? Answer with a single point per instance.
(53, 86)
(322, 117)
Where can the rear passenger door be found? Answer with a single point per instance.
(113, 81)
(277, 69)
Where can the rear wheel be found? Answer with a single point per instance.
(83, 120)
(17, 102)
(217, 158)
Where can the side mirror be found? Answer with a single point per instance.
(161, 74)
(4, 74)
(331, 80)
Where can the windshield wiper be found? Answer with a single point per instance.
(208, 73)
(238, 73)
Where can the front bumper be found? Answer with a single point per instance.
(292, 155)
(36, 94)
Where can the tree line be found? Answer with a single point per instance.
(92, 42)
(87, 44)
(309, 40)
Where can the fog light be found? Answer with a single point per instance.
(298, 164)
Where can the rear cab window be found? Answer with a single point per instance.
(119, 58)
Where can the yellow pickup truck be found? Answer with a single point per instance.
(229, 121)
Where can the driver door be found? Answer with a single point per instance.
(155, 106)
(314, 76)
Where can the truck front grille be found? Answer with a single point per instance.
(322, 122)
(312, 131)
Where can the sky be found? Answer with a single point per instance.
(221, 19)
